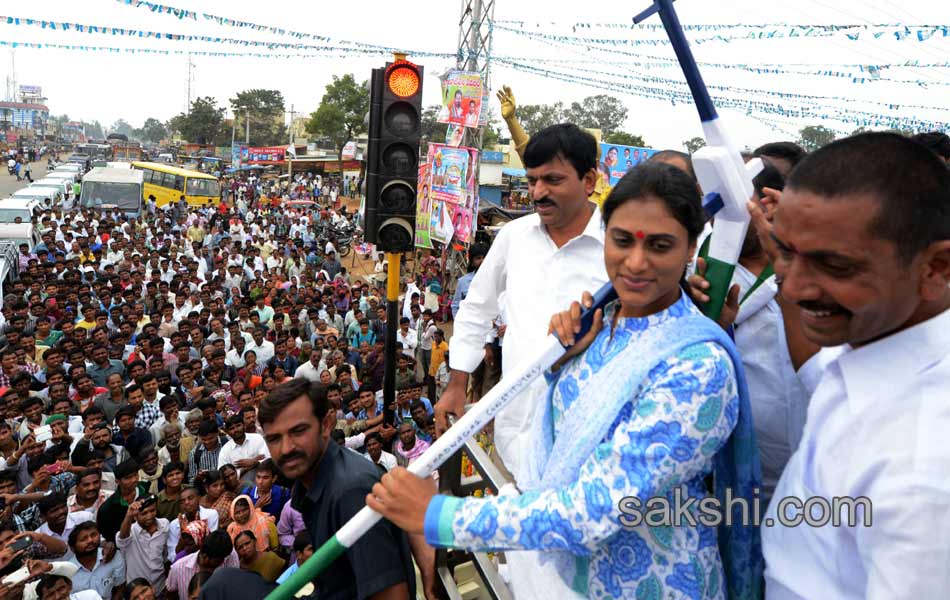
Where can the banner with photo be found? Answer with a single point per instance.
(453, 193)
(267, 155)
(461, 98)
(616, 160)
(423, 209)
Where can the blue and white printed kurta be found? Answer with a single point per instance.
(664, 437)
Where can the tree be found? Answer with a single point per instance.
(94, 130)
(432, 130)
(341, 113)
(603, 112)
(202, 123)
(694, 144)
(266, 108)
(814, 137)
(123, 127)
(535, 117)
(625, 139)
(152, 130)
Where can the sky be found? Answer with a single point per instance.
(106, 86)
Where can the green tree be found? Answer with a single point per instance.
(266, 110)
(603, 112)
(152, 130)
(535, 117)
(625, 139)
(341, 113)
(694, 144)
(94, 130)
(123, 127)
(202, 124)
(814, 137)
(432, 130)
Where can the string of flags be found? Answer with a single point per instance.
(157, 35)
(748, 106)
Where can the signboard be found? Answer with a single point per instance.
(453, 193)
(236, 150)
(616, 160)
(31, 90)
(267, 155)
(491, 156)
(349, 150)
(461, 98)
(423, 209)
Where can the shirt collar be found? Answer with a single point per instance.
(594, 229)
(883, 370)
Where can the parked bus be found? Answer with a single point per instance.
(94, 151)
(117, 189)
(169, 183)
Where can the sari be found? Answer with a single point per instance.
(259, 523)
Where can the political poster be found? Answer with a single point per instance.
(616, 160)
(423, 209)
(461, 98)
(268, 155)
(441, 227)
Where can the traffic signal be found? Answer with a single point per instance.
(395, 118)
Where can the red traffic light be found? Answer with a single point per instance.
(402, 79)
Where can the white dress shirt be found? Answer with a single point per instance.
(778, 397)
(537, 279)
(877, 427)
(310, 372)
(253, 446)
(408, 341)
(264, 352)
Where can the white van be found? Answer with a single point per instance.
(70, 176)
(20, 233)
(58, 185)
(42, 197)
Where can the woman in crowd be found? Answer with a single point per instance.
(266, 564)
(210, 486)
(649, 403)
(246, 517)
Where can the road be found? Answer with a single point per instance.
(9, 184)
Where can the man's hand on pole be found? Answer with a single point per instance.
(452, 401)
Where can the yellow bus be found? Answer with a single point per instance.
(168, 183)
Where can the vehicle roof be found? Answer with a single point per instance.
(9, 230)
(113, 175)
(172, 169)
(46, 182)
(22, 197)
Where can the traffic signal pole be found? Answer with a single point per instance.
(392, 325)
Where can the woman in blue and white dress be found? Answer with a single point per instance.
(645, 406)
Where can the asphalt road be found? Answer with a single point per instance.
(9, 184)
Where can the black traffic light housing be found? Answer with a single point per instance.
(395, 120)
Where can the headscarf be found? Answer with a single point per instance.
(258, 523)
(198, 530)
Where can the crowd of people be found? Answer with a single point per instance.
(137, 355)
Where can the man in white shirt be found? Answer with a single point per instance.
(311, 369)
(537, 266)
(542, 263)
(376, 454)
(409, 338)
(862, 236)
(235, 356)
(263, 349)
(192, 511)
(244, 450)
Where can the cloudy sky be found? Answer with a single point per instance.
(108, 86)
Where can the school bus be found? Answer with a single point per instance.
(168, 183)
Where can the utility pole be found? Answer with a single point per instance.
(191, 65)
(290, 160)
